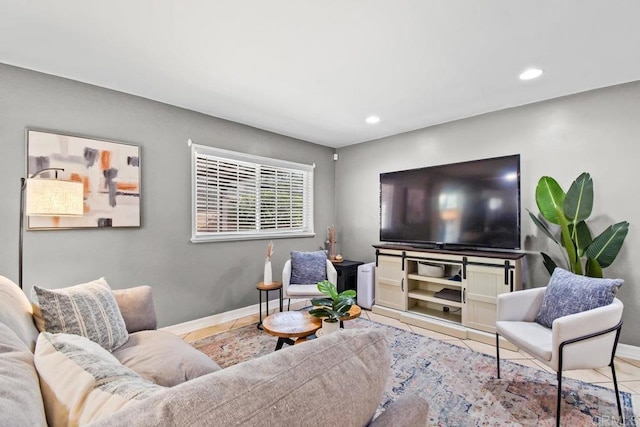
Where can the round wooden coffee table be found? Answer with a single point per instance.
(288, 325)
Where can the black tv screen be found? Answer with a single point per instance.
(472, 204)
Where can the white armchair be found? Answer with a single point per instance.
(585, 340)
(303, 290)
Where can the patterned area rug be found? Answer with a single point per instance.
(458, 383)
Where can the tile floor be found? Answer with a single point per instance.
(627, 370)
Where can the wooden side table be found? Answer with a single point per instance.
(288, 325)
(266, 287)
(353, 312)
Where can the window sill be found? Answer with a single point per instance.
(253, 236)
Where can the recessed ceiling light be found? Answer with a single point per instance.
(372, 119)
(531, 73)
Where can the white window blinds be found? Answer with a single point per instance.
(240, 196)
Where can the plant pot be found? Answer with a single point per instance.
(330, 327)
(268, 278)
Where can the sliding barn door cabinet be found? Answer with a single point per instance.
(453, 292)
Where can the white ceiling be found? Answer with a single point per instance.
(315, 69)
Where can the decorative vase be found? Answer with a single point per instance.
(332, 251)
(330, 327)
(268, 278)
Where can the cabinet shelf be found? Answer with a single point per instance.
(438, 280)
(428, 296)
(425, 311)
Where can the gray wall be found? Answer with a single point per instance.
(189, 280)
(596, 132)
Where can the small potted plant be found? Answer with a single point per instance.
(333, 307)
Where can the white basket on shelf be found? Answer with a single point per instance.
(431, 270)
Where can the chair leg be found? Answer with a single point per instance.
(288, 304)
(617, 329)
(615, 386)
(498, 354)
(559, 396)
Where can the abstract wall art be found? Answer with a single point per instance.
(109, 172)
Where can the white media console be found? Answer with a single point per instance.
(448, 291)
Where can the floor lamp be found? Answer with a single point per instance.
(47, 197)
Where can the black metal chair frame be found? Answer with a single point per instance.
(616, 328)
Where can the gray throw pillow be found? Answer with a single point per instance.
(568, 293)
(308, 267)
(89, 310)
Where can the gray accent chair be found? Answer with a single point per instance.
(585, 340)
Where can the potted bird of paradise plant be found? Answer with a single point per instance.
(570, 211)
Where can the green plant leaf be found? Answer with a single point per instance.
(581, 237)
(542, 227)
(550, 199)
(326, 312)
(344, 306)
(319, 312)
(578, 202)
(349, 293)
(334, 307)
(606, 246)
(568, 244)
(548, 263)
(321, 302)
(593, 269)
(328, 288)
(570, 211)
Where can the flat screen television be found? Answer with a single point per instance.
(473, 205)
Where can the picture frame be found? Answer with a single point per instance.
(109, 171)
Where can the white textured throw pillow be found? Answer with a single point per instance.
(81, 382)
(89, 310)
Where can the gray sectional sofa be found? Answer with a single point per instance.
(156, 379)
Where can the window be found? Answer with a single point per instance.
(238, 196)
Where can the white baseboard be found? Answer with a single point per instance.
(628, 351)
(227, 316)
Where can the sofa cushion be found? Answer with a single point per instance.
(82, 382)
(298, 385)
(137, 308)
(88, 309)
(568, 293)
(308, 267)
(163, 358)
(20, 397)
(15, 312)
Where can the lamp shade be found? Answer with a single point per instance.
(53, 197)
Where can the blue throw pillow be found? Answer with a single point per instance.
(308, 267)
(569, 293)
